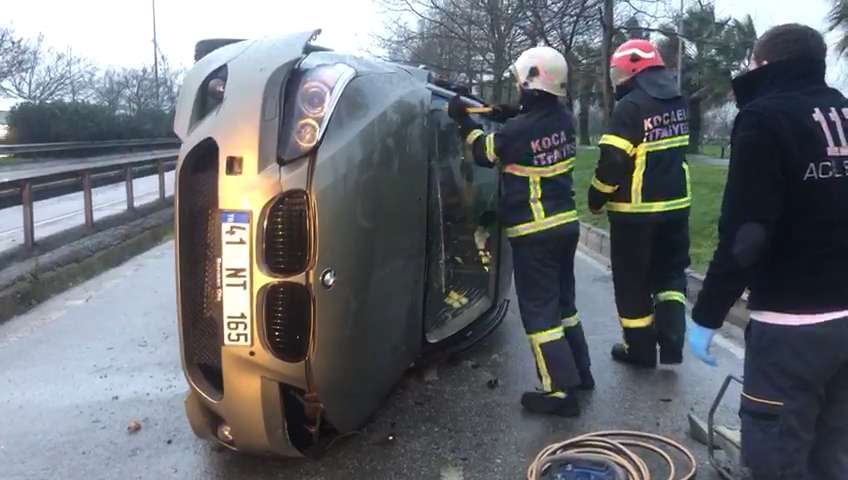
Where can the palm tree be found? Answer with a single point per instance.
(716, 49)
(838, 19)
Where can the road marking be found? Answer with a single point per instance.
(721, 340)
(32, 326)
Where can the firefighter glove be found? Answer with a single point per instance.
(456, 109)
(700, 340)
(503, 112)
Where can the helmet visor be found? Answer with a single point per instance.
(513, 76)
(619, 76)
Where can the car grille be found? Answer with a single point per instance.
(288, 309)
(287, 234)
(199, 250)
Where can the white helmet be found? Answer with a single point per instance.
(541, 68)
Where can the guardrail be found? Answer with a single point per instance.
(25, 191)
(67, 146)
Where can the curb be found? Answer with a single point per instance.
(595, 242)
(40, 278)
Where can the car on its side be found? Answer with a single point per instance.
(331, 230)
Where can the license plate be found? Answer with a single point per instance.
(235, 278)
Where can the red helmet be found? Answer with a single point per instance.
(632, 57)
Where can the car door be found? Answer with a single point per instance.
(463, 234)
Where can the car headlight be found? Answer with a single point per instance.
(211, 93)
(310, 97)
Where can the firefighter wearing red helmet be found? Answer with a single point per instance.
(643, 181)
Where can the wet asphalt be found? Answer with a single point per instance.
(76, 371)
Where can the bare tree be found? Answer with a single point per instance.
(45, 75)
(478, 38)
(718, 122)
(12, 53)
(607, 16)
(139, 90)
(169, 85)
(82, 76)
(563, 24)
(109, 90)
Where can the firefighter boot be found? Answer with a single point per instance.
(580, 349)
(671, 330)
(639, 348)
(551, 403)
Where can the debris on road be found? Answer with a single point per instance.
(493, 383)
(451, 473)
(134, 426)
(471, 364)
(431, 375)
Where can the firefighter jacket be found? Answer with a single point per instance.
(535, 152)
(783, 231)
(642, 173)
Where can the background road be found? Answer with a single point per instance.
(76, 370)
(61, 213)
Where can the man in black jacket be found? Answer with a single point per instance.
(643, 180)
(536, 152)
(783, 234)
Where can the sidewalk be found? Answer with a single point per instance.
(707, 160)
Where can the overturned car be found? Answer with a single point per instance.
(330, 232)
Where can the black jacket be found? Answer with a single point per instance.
(535, 151)
(642, 174)
(783, 231)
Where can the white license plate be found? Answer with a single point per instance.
(235, 278)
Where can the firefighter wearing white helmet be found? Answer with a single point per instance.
(542, 69)
(535, 151)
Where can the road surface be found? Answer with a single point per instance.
(48, 166)
(76, 370)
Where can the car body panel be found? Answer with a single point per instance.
(370, 187)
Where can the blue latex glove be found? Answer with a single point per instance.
(700, 340)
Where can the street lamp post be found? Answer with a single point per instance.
(155, 54)
(680, 49)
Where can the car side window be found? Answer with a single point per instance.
(463, 233)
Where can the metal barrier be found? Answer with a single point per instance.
(66, 146)
(25, 191)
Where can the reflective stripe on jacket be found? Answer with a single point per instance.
(643, 169)
(536, 152)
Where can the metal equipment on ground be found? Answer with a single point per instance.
(720, 437)
(610, 455)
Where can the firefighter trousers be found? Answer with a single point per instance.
(649, 263)
(544, 283)
(794, 407)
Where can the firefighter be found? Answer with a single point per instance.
(783, 234)
(643, 181)
(535, 150)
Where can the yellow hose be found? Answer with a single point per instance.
(617, 446)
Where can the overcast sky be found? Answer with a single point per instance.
(119, 32)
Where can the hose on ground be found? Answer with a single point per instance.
(618, 446)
